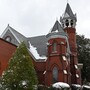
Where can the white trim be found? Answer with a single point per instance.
(65, 71)
(77, 75)
(8, 28)
(76, 67)
(68, 47)
(66, 15)
(56, 36)
(44, 72)
(4, 32)
(64, 58)
(15, 36)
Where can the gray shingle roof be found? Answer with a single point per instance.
(20, 37)
(69, 10)
(68, 14)
(57, 26)
(57, 30)
(40, 43)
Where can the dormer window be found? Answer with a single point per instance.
(54, 49)
(8, 38)
(67, 23)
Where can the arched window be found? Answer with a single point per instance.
(55, 74)
(67, 23)
(8, 38)
(71, 22)
(54, 49)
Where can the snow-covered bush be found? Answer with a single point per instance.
(85, 87)
(61, 86)
(76, 87)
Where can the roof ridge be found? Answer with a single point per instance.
(17, 31)
(37, 36)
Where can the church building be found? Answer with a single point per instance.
(54, 55)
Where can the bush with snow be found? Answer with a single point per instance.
(61, 85)
(85, 87)
(75, 87)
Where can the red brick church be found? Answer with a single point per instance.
(54, 55)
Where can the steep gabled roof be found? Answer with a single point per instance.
(56, 30)
(38, 43)
(69, 10)
(68, 14)
(19, 37)
(57, 27)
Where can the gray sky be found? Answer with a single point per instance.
(37, 17)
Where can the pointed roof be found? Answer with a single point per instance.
(19, 37)
(56, 30)
(68, 13)
(69, 10)
(57, 27)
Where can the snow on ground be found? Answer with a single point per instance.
(60, 85)
(33, 50)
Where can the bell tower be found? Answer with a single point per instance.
(68, 19)
(68, 22)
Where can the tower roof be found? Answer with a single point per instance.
(56, 30)
(69, 10)
(68, 13)
(57, 27)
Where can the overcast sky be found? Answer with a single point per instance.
(37, 17)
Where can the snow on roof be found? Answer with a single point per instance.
(33, 50)
(86, 86)
(60, 85)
